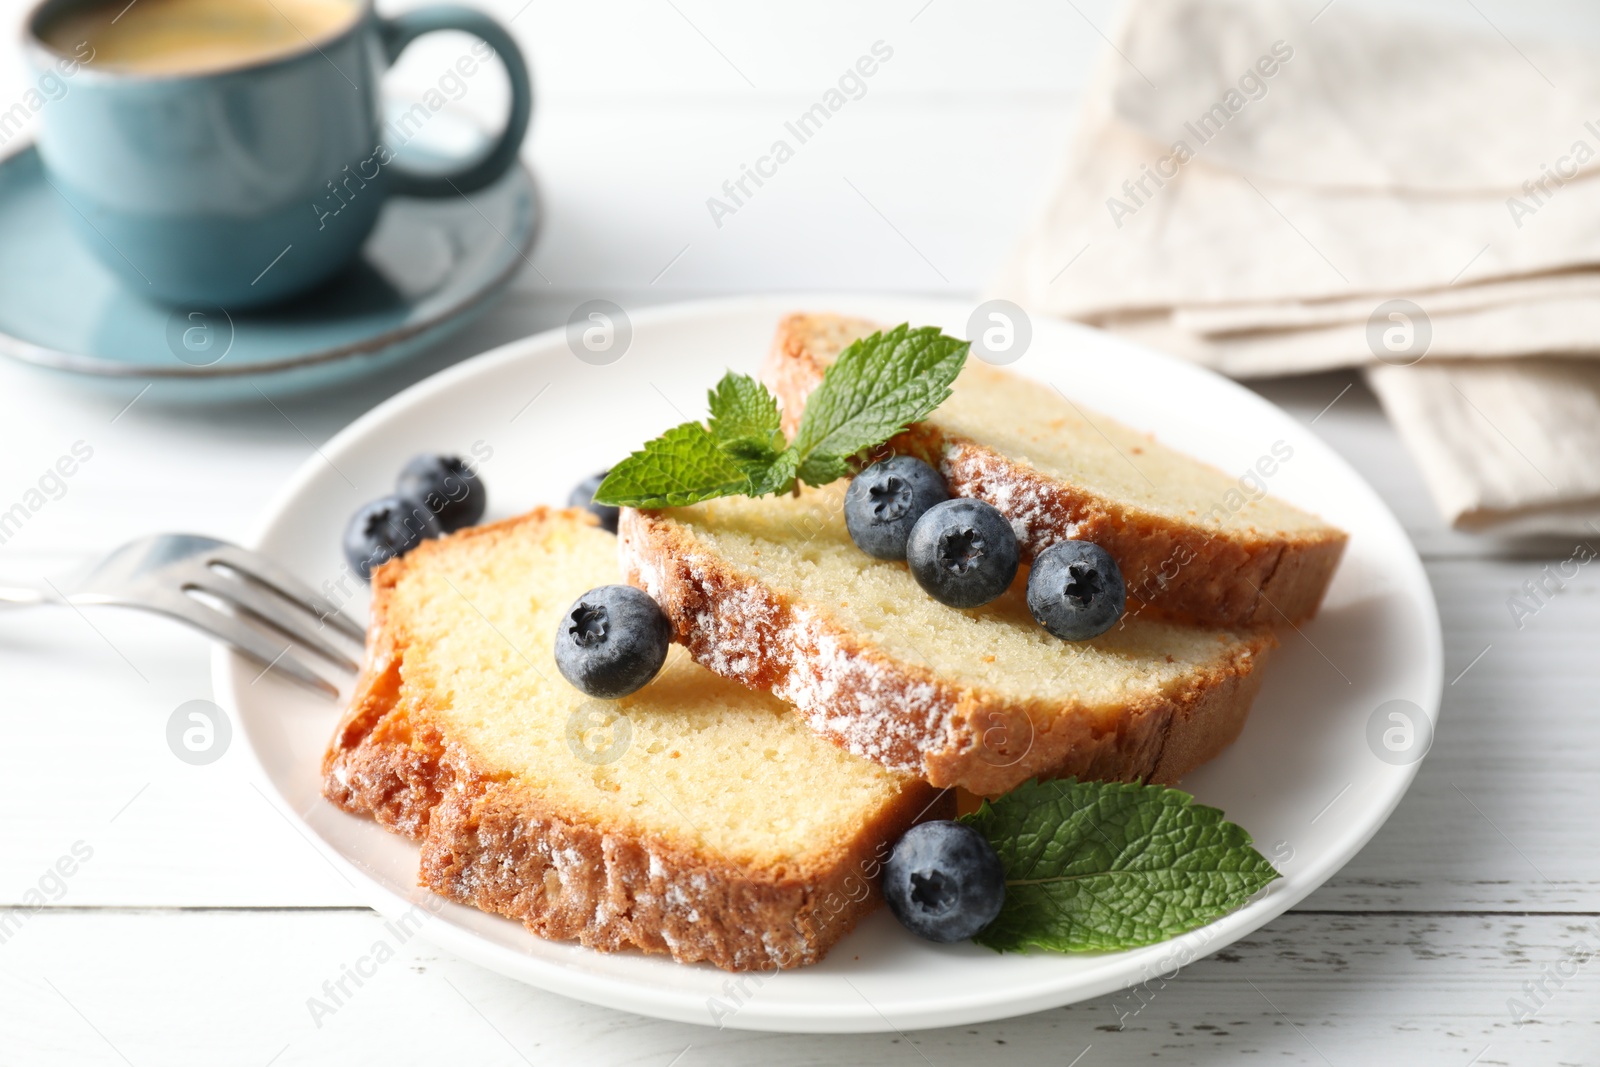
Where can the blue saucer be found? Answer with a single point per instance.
(426, 269)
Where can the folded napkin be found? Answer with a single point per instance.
(1272, 188)
(1480, 431)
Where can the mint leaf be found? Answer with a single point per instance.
(877, 387)
(745, 422)
(744, 418)
(821, 469)
(775, 477)
(685, 465)
(1099, 866)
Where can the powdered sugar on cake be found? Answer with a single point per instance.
(868, 705)
(742, 630)
(1028, 501)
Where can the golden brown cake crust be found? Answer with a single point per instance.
(1238, 578)
(907, 718)
(488, 843)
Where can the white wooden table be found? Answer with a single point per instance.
(196, 923)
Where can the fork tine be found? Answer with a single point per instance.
(270, 574)
(295, 622)
(245, 639)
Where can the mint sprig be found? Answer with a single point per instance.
(877, 387)
(1100, 866)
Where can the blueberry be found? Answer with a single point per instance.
(612, 640)
(943, 881)
(963, 552)
(1076, 590)
(448, 486)
(886, 500)
(385, 528)
(583, 497)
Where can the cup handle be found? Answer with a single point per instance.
(399, 31)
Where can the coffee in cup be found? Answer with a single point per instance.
(194, 36)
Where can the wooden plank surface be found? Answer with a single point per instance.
(202, 988)
(201, 922)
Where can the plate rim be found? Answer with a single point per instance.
(32, 354)
(965, 1007)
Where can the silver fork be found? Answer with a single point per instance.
(162, 574)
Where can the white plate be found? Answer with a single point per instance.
(1303, 778)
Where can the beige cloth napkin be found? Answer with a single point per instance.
(1480, 431)
(1252, 182)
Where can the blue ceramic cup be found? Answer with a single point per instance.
(248, 185)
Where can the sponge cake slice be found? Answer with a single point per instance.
(1190, 541)
(695, 817)
(773, 593)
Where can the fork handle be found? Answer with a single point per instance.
(23, 596)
